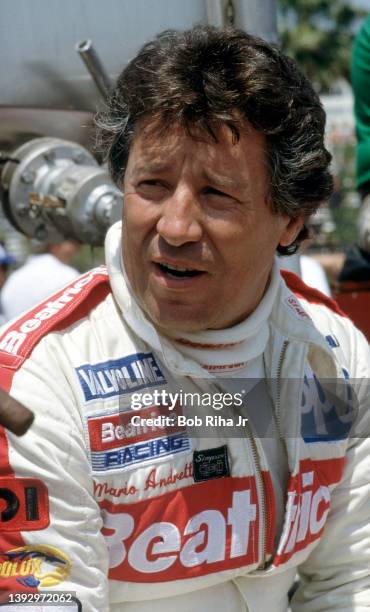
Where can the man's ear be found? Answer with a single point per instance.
(290, 232)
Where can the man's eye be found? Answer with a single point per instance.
(151, 182)
(216, 192)
(151, 188)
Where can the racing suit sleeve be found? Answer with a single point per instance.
(336, 575)
(52, 540)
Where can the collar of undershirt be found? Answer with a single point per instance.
(232, 348)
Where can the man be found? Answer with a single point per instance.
(141, 498)
(45, 271)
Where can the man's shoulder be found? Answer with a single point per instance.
(334, 326)
(310, 306)
(58, 312)
(311, 295)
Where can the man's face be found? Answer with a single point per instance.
(198, 235)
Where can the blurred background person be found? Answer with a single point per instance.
(357, 264)
(6, 260)
(353, 294)
(45, 271)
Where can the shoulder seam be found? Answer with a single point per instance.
(56, 313)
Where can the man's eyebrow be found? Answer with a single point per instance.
(151, 166)
(217, 180)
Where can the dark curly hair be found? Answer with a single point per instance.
(206, 76)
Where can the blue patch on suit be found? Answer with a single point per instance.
(325, 417)
(119, 376)
(332, 341)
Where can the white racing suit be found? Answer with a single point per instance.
(144, 517)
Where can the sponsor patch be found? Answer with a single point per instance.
(116, 443)
(332, 341)
(308, 505)
(143, 452)
(296, 308)
(24, 504)
(191, 532)
(211, 463)
(326, 417)
(119, 376)
(33, 567)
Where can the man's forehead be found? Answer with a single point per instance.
(156, 142)
(152, 137)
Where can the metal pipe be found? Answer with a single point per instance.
(95, 67)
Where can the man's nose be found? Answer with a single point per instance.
(180, 218)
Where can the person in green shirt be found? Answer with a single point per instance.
(357, 263)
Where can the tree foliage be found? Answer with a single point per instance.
(318, 34)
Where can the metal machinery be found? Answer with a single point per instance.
(52, 186)
(55, 189)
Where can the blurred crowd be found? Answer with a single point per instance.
(47, 269)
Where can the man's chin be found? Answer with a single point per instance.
(174, 320)
(170, 326)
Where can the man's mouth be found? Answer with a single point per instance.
(178, 271)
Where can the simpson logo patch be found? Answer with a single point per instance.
(119, 376)
(185, 533)
(24, 504)
(211, 463)
(117, 443)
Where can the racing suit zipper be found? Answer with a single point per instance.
(278, 391)
(260, 483)
(261, 492)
